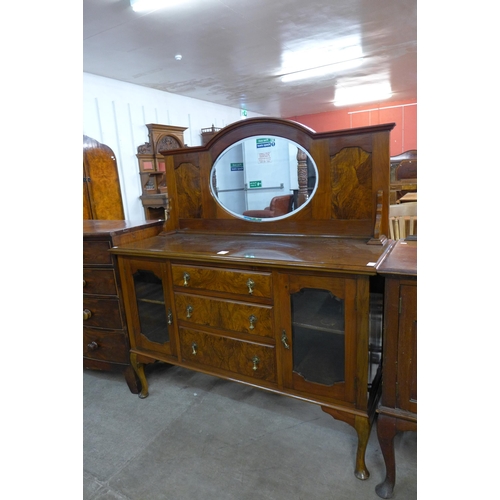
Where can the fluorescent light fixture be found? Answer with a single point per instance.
(147, 5)
(369, 92)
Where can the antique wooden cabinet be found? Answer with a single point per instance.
(105, 338)
(102, 197)
(152, 167)
(398, 409)
(289, 304)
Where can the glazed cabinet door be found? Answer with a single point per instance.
(149, 312)
(319, 334)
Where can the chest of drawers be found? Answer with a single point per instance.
(105, 339)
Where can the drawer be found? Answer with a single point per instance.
(105, 345)
(222, 280)
(230, 315)
(104, 313)
(99, 281)
(236, 356)
(96, 252)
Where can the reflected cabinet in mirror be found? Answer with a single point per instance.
(264, 178)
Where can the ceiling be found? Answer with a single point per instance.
(235, 51)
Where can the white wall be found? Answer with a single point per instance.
(116, 113)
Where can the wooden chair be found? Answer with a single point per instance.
(402, 220)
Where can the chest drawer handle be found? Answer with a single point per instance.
(84, 283)
(186, 279)
(250, 285)
(86, 314)
(93, 346)
(255, 361)
(194, 348)
(189, 311)
(284, 339)
(169, 317)
(252, 320)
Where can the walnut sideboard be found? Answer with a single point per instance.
(105, 338)
(291, 304)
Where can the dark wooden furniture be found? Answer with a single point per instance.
(403, 175)
(102, 197)
(290, 305)
(398, 409)
(105, 338)
(152, 167)
(208, 133)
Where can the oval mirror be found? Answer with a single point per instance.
(264, 178)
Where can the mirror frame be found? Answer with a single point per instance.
(351, 198)
(303, 196)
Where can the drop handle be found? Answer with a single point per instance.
(189, 311)
(186, 277)
(86, 314)
(194, 348)
(255, 361)
(93, 346)
(250, 285)
(284, 339)
(253, 320)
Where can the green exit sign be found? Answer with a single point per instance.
(255, 184)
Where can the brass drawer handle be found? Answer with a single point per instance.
(169, 317)
(194, 347)
(189, 311)
(252, 320)
(284, 339)
(93, 346)
(250, 285)
(186, 279)
(86, 314)
(255, 361)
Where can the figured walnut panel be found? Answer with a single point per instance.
(100, 172)
(228, 354)
(187, 178)
(219, 280)
(351, 171)
(227, 314)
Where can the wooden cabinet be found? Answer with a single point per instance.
(290, 305)
(398, 409)
(102, 197)
(152, 167)
(105, 339)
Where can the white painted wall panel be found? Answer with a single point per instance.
(116, 113)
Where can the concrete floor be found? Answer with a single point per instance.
(197, 437)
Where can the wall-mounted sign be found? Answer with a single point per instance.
(265, 143)
(236, 167)
(255, 184)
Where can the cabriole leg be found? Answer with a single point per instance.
(386, 431)
(362, 425)
(139, 369)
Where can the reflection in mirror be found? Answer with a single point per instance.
(263, 178)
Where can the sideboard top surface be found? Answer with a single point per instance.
(402, 260)
(94, 227)
(317, 253)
